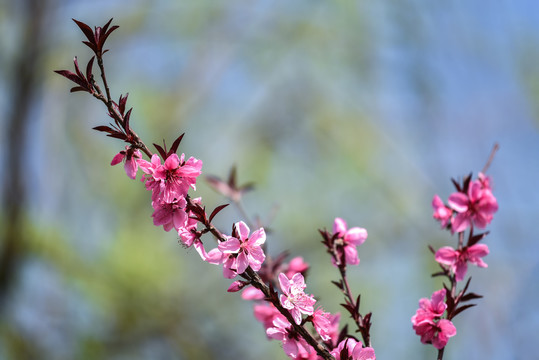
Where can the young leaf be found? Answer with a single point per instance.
(175, 144)
(461, 309)
(161, 151)
(216, 211)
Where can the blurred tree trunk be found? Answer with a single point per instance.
(23, 87)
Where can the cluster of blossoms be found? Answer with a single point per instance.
(472, 205)
(301, 306)
(428, 324)
(305, 331)
(170, 182)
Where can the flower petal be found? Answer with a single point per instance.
(339, 226)
(231, 246)
(356, 236)
(243, 230)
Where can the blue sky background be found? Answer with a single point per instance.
(362, 110)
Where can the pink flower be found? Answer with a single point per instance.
(441, 212)
(436, 305)
(322, 322)
(477, 206)
(149, 169)
(427, 323)
(236, 286)
(435, 333)
(294, 346)
(170, 215)
(458, 259)
(172, 179)
(214, 256)
(247, 247)
(252, 293)
(354, 350)
(266, 314)
(296, 265)
(187, 231)
(131, 161)
(351, 238)
(176, 176)
(294, 298)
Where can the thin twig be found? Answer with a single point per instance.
(491, 157)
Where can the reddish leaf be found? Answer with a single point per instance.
(338, 284)
(126, 121)
(161, 151)
(457, 185)
(472, 240)
(122, 102)
(104, 128)
(470, 296)
(343, 333)
(77, 88)
(466, 183)
(118, 136)
(86, 30)
(89, 69)
(461, 309)
(175, 145)
(216, 211)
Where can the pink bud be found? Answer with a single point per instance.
(236, 286)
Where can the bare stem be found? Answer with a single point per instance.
(491, 157)
(104, 78)
(440, 354)
(98, 94)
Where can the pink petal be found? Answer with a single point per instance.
(213, 257)
(446, 255)
(339, 226)
(242, 263)
(356, 236)
(228, 268)
(350, 253)
(476, 252)
(447, 327)
(252, 293)
(460, 222)
(235, 286)
(475, 191)
(275, 333)
(256, 258)
(179, 217)
(284, 282)
(130, 168)
(117, 158)
(285, 302)
(243, 230)
(460, 270)
(296, 314)
(298, 280)
(172, 162)
(437, 202)
(360, 353)
(257, 238)
(290, 348)
(458, 202)
(231, 246)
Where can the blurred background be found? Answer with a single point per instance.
(362, 110)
